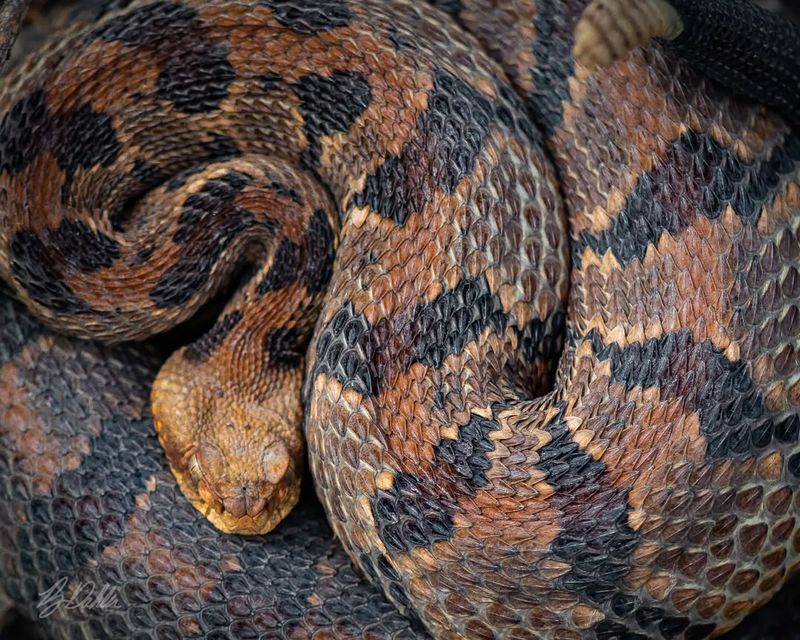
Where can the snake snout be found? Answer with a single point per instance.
(235, 506)
(239, 462)
(240, 486)
(254, 505)
(247, 503)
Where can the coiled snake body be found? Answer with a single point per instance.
(650, 493)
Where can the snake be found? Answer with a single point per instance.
(538, 321)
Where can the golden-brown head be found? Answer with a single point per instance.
(237, 455)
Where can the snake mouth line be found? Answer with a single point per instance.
(240, 512)
(242, 517)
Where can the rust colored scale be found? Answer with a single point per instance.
(227, 407)
(75, 427)
(120, 223)
(641, 486)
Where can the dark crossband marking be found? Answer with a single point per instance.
(32, 268)
(220, 148)
(596, 540)
(285, 347)
(148, 174)
(794, 465)
(208, 224)
(84, 248)
(360, 357)
(453, 7)
(696, 177)
(455, 318)
(329, 104)
(731, 410)
(142, 256)
(201, 209)
(283, 271)
(286, 192)
(271, 82)
(180, 180)
(205, 346)
(399, 41)
(144, 27)
(78, 139)
(311, 18)
(320, 244)
(554, 66)
(653, 620)
(397, 591)
(197, 78)
(106, 474)
(512, 112)
(17, 330)
(345, 350)
(449, 138)
(198, 81)
(40, 263)
(542, 340)
(417, 511)
(312, 263)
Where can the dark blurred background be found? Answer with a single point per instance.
(790, 8)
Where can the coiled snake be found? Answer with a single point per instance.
(385, 179)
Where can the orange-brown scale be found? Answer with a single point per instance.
(712, 258)
(406, 417)
(486, 489)
(27, 417)
(241, 462)
(165, 281)
(132, 536)
(639, 137)
(512, 51)
(628, 459)
(39, 453)
(652, 446)
(174, 569)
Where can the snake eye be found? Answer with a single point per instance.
(275, 462)
(194, 469)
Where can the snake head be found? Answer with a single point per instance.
(241, 492)
(237, 459)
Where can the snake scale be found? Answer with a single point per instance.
(551, 388)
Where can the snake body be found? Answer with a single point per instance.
(643, 485)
